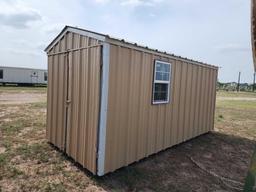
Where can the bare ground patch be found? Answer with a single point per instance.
(21, 98)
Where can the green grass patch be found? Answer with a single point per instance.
(236, 94)
(36, 151)
(57, 187)
(3, 159)
(13, 127)
(38, 105)
(7, 170)
(250, 181)
(236, 104)
(7, 144)
(10, 172)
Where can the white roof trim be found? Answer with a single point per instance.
(77, 31)
(21, 68)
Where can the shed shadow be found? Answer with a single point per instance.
(173, 170)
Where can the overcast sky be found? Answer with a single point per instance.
(216, 32)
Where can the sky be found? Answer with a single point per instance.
(215, 32)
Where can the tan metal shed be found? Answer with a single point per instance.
(112, 103)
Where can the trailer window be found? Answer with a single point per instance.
(45, 76)
(1, 73)
(161, 83)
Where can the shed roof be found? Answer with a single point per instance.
(105, 37)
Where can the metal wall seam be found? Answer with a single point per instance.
(103, 109)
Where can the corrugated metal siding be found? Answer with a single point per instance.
(83, 91)
(135, 127)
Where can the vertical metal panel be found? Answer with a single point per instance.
(55, 99)
(83, 68)
(135, 127)
(214, 81)
(49, 99)
(207, 84)
(187, 104)
(202, 102)
(209, 98)
(192, 101)
(176, 90)
(182, 93)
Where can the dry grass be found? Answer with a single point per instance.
(29, 163)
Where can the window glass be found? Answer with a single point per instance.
(45, 76)
(161, 82)
(1, 74)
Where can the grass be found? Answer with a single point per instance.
(33, 152)
(17, 89)
(29, 163)
(60, 187)
(250, 182)
(236, 94)
(236, 116)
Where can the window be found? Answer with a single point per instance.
(161, 85)
(45, 76)
(1, 73)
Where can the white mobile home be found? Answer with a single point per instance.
(25, 76)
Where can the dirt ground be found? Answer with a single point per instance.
(20, 98)
(217, 161)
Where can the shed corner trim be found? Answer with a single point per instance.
(103, 109)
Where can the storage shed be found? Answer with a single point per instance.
(112, 103)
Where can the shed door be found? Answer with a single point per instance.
(82, 105)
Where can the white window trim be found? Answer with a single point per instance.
(163, 82)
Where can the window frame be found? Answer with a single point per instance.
(2, 71)
(161, 82)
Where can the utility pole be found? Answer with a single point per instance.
(238, 83)
(253, 85)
